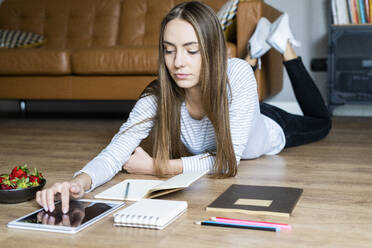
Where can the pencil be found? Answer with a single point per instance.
(251, 222)
(126, 191)
(222, 224)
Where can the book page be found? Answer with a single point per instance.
(179, 182)
(137, 189)
(141, 188)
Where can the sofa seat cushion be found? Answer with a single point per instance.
(118, 60)
(34, 61)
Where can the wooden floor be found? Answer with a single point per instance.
(335, 209)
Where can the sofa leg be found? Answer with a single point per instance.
(22, 107)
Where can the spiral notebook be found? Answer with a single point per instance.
(150, 213)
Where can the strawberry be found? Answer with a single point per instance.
(19, 172)
(4, 186)
(23, 183)
(35, 183)
(3, 177)
(20, 178)
(37, 174)
(34, 179)
(8, 184)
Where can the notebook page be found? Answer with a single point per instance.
(150, 213)
(137, 189)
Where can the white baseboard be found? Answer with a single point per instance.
(360, 110)
(357, 110)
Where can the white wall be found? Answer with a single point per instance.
(308, 21)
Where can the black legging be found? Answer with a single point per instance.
(316, 123)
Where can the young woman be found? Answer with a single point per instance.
(202, 113)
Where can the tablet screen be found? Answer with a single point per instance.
(79, 213)
(82, 213)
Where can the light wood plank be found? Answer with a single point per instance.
(334, 210)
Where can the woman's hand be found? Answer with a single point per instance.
(140, 163)
(73, 189)
(73, 218)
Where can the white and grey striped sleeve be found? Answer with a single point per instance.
(199, 162)
(111, 159)
(243, 109)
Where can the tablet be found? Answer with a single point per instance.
(82, 213)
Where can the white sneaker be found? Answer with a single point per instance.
(257, 43)
(280, 33)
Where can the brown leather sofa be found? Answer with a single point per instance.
(105, 49)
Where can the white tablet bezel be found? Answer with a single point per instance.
(64, 229)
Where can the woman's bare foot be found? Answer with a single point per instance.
(289, 52)
(251, 61)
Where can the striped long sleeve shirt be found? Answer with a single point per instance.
(252, 133)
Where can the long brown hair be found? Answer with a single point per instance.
(214, 84)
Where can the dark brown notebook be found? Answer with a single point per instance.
(250, 199)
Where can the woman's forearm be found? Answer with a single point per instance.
(176, 166)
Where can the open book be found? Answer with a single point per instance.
(135, 189)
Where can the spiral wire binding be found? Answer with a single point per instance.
(133, 220)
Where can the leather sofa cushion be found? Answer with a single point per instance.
(34, 61)
(66, 24)
(140, 20)
(90, 23)
(115, 61)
